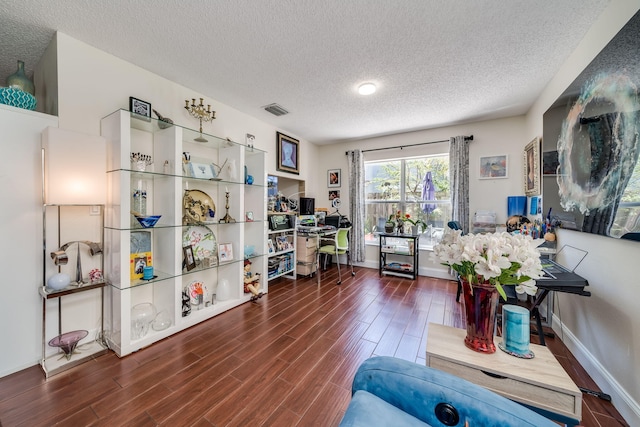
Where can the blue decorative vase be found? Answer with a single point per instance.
(20, 80)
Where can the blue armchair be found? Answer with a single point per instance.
(393, 392)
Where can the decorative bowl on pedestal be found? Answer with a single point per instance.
(68, 341)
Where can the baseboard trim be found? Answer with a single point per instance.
(623, 402)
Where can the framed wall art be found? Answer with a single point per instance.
(334, 178)
(493, 167)
(140, 107)
(532, 168)
(288, 152)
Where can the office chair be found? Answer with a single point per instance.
(339, 247)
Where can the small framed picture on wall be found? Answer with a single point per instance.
(493, 167)
(334, 178)
(334, 194)
(532, 168)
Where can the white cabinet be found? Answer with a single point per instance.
(189, 183)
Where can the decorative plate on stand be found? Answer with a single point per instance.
(197, 207)
(202, 240)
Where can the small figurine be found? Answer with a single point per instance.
(251, 281)
(165, 122)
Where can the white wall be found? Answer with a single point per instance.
(21, 230)
(93, 84)
(602, 331)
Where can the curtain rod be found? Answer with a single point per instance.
(467, 138)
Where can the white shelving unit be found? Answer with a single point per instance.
(165, 183)
(281, 249)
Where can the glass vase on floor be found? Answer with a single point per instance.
(480, 304)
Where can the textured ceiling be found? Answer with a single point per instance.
(435, 62)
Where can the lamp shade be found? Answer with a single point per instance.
(74, 168)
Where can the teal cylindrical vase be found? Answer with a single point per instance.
(20, 80)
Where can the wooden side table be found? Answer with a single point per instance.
(539, 383)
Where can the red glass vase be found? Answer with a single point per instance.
(480, 304)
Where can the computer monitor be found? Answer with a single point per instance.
(333, 220)
(307, 206)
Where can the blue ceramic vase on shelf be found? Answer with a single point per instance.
(20, 80)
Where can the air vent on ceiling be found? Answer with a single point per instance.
(275, 109)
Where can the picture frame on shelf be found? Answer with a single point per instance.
(140, 253)
(202, 170)
(225, 252)
(189, 258)
(140, 108)
(532, 168)
(282, 243)
(334, 178)
(270, 248)
(249, 216)
(288, 153)
(494, 167)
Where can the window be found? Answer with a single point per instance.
(392, 185)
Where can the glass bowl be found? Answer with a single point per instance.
(162, 321)
(148, 221)
(68, 341)
(141, 317)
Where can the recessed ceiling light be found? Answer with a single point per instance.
(366, 89)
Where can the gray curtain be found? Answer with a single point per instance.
(356, 205)
(459, 180)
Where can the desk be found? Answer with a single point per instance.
(539, 383)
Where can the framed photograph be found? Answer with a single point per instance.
(225, 252)
(201, 170)
(334, 178)
(249, 216)
(270, 246)
(493, 167)
(189, 259)
(140, 107)
(334, 194)
(532, 168)
(140, 253)
(288, 152)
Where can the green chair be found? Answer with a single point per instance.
(340, 246)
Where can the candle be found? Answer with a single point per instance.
(515, 330)
(226, 189)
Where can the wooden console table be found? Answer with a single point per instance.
(539, 383)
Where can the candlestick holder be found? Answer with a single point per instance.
(200, 113)
(227, 218)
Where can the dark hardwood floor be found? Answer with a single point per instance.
(287, 360)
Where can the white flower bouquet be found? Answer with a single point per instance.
(496, 258)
